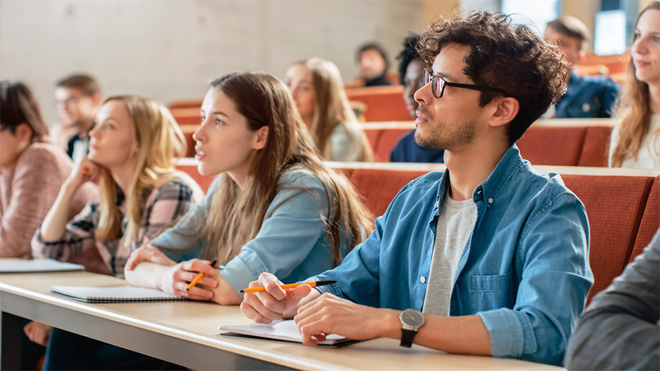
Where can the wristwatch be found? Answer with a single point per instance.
(411, 320)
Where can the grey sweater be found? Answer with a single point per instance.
(619, 330)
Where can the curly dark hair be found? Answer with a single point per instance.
(408, 54)
(505, 56)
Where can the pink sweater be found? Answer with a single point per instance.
(28, 192)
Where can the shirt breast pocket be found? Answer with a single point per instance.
(492, 292)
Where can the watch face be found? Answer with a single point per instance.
(411, 317)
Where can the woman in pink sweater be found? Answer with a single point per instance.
(31, 171)
(31, 174)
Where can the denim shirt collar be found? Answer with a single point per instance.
(492, 187)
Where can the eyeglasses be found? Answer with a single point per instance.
(439, 84)
(7, 128)
(70, 100)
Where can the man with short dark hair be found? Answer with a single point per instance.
(373, 63)
(586, 96)
(77, 98)
(489, 257)
(411, 71)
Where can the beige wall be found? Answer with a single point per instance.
(433, 8)
(167, 49)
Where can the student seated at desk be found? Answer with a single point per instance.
(489, 257)
(274, 207)
(132, 148)
(318, 92)
(32, 171)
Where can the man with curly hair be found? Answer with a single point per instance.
(489, 257)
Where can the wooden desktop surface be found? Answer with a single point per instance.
(186, 332)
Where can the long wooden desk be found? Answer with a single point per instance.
(186, 333)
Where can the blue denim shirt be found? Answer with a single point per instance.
(587, 97)
(292, 243)
(524, 270)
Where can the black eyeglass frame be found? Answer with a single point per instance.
(428, 72)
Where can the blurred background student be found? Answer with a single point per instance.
(411, 72)
(318, 92)
(274, 206)
(77, 98)
(586, 96)
(373, 63)
(31, 173)
(132, 148)
(635, 141)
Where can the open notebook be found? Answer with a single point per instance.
(37, 266)
(281, 330)
(115, 294)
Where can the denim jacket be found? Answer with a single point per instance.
(587, 97)
(292, 243)
(524, 270)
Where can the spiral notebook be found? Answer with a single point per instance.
(115, 294)
(281, 330)
(38, 266)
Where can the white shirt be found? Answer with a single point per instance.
(648, 156)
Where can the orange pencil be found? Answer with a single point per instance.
(199, 277)
(290, 286)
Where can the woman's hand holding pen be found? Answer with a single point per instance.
(175, 279)
(275, 303)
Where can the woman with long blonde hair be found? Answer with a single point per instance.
(635, 141)
(274, 207)
(132, 148)
(318, 91)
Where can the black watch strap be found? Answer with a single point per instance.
(407, 337)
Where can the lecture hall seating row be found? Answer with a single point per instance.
(563, 142)
(623, 205)
(378, 103)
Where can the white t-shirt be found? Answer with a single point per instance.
(648, 156)
(455, 225)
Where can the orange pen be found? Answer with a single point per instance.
(290, 286)
(199, 277)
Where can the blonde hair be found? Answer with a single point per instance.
(236, 214)
(333, 109)
(159, 139)
(634, 111)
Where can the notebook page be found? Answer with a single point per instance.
(280, 330)
(38, 265)
(113, 294)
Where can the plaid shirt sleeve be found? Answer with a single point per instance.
(78, 236)
(165, 206)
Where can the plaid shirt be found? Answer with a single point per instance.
(163, 207)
